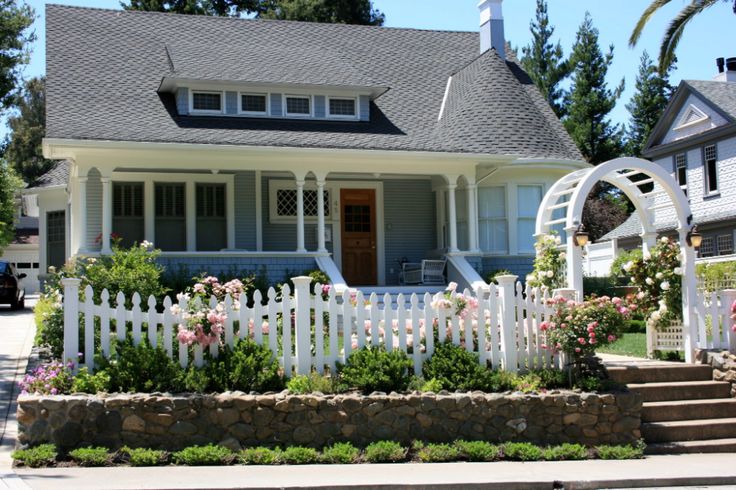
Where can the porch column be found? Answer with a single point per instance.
(106, 214)
(574, 263)
(83, 242)
(321, 247)
(472, 216)
(300, 216)
(452, 215)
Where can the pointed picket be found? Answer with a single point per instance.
(183, 348)
(105, 323)
(286, 325)
(441, 319)
(137, 316)
(152, 315)
(530, 337)
(257, 318)
(388, 322)
(467, 325)
(374, 320)
(714, 321)
(273, 328)
(494, 330)
(120, 327)
(214, 346)
(167, 324)
(333, 318)
(429, 317)
(319, 331)
(401, 319)
(230, 313)
(415, 331)
(347, 325)
(89, 328)
(547, 309)
(360, 318)
(480, 318)
(519, 328)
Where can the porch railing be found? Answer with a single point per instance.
(306, 331)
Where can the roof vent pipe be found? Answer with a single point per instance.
(491, 27)
(720, 62)
(731, 64)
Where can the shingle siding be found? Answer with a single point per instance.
(274, 269)
(245, 210)
(521, 265)
(715, 120)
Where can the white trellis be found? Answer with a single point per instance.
(568, 196)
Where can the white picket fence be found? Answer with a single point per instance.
(315, 333)
(712, 321)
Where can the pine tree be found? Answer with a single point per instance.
(653, 91)
(544, 61)
(590, 101)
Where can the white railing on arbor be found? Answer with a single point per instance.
(714, 327)
(307, 332)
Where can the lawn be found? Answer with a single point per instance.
(631, 344)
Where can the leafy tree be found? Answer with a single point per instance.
(544, 61)
(10, 185)
(653, 91)
(604, 210)
(589, 100)
(675, 29)
(28, 127)
(14, 39)
(332, 11)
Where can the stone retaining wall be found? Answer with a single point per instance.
(724, 368)
(237, 419)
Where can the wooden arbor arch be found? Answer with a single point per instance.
(568, 196)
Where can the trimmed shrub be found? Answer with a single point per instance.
(260, 455)
(300, 455)
(620, 452)
(565, 452)
(132, 368)
(437, 453)
(209, 455)
(522, 451)
(340, 453)
(37, 456)
(145, 457)
(454, 368)
(385, 452)
(478, 450)
(90, 456)
(246, 367)
(374, 369)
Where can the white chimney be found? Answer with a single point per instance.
(726, 70)
(491, 27)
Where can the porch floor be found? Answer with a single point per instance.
(419, 289)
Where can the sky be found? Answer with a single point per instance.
(711, 35)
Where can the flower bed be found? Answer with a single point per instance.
(236, 419)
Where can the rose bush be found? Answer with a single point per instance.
(549, 264)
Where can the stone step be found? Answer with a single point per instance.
(687, 390)
(688, 430)
(660, 373)
(699, 446)
(688, 410)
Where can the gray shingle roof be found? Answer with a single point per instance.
(721, 94)
(632, 226)
(104, 68)
(57, 175)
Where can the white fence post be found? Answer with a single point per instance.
(302, 297)
(71, 319)
(507, 301)
(728, 296)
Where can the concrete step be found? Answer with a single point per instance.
(699, 446)
(660, 373)
(688, 410)
(689, 430)
(687, 390)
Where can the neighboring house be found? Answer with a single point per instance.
(22, 252)
(236, 144)
(695, 140)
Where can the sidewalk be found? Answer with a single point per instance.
(655, 471)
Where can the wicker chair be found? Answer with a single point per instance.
(426, 272)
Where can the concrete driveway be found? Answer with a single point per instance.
(17, 330)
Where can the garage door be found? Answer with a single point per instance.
(25, 262)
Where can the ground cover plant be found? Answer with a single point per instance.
(338, 453)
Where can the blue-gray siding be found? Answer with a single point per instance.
(409, 215)
(276, 109)
(281, 237)
(275, 269)
(182, 100)
(245, 210)
(94, 208)
(521, 265)
(365, 108)
(231, 102)
(319, 106)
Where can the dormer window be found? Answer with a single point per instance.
(207, 102)
(254, 104)
(298, 105)
(342, 107)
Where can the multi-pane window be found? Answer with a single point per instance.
(357, 218)
(725, 244)
(710, 169)
(55, 238)
(286, 202)
(207, 101)
(528, 199)
(298, 106)
(127, 212)
(707, 247)
(253, 103)
(342, 107)
(211, 217)
(171, 219)
(492, 221)
(681, 170)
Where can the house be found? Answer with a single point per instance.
(288, 146)
(695, 140)
(22, 251)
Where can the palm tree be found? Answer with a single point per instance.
(674, 31)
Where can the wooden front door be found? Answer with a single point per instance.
(358, 217)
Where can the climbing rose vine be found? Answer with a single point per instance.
(548, 264)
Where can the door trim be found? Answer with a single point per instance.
(338, 185)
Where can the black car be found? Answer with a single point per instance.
(11, 286)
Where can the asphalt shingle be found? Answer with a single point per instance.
(57, 175)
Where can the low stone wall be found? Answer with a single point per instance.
(724, 368)
(237, 419)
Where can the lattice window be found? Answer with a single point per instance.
(298, 106)
(342, 107)
(707, 247)
(207, 101)
(725, 244)
(286, 202)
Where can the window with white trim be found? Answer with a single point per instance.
(207, 102)
(127, 212)
(170, 216)
(492, 220)
(282, 201)
(710, 168)
(725, 244)
(680, 164)
(707, 247)
(341, 107)
(253, 104)
(528, 199)
(298, 105)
